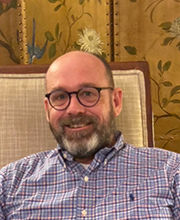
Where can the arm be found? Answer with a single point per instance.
(176, 192)
(2, 203)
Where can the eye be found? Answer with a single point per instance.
(88, 95)
(59, 96)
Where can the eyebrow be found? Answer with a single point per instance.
(88, 85)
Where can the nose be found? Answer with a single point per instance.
(75, 107)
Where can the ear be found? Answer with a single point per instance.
(46, 107)
(117, 101)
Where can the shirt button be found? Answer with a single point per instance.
(105, 162)
(65, 156)
(84, 213)
(86, 179)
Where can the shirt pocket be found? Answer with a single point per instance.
(150, 199)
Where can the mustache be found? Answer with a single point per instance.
(78, 119)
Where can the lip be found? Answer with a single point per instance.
(78, 128)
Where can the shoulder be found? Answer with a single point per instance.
(27, 165)
(155, 151)
(156, 154)
(155, 158)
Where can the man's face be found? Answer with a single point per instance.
(81, 130)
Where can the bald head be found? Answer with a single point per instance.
(78, 61)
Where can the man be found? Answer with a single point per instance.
(92, 174)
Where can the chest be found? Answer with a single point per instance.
(95, 195)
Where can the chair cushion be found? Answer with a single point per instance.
(23, 127)
(132, 120)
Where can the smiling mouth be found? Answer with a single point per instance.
(78, 131)
(78, 125)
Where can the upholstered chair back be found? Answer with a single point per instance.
(23, 126)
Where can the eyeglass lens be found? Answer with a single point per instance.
(86, 96)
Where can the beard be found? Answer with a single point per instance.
(86, 142)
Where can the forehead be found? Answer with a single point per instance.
(75, 72)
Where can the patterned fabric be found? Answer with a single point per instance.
(122, 182)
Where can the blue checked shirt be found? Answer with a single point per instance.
(122, 182)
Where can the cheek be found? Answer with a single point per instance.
(54, 117)
(103, 111)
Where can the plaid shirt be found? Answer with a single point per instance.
(122, 182)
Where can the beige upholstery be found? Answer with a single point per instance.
(23, 126)
(133, 119)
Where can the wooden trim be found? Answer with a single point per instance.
(14, 69)
(111, 17)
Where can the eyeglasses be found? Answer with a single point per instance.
(87, 96)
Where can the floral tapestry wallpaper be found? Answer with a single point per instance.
(150, 30)
(9, 47)
(74, 23)
(36, 32)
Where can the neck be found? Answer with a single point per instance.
(87, 160)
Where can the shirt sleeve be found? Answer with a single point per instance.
(2, 217)
(176, 190)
